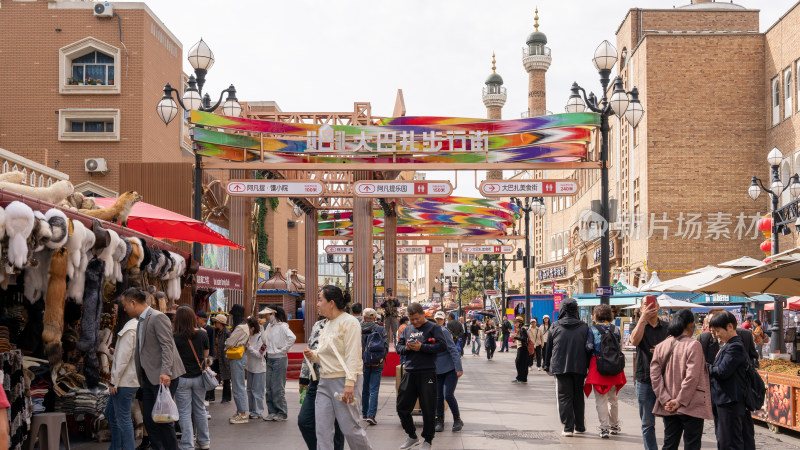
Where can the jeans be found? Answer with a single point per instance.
(238, 383)
(162, 435)
(308, 425)
(504, 346)
(276, 386)
(369, 395)
(647, 400)
(468, 338)
(256, 389)
(118, 414)
(189, 398)
(690, 427)
(445, 390)
(476, 345)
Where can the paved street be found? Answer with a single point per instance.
(497, 415)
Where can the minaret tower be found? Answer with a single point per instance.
(494, 97)
(536, 59)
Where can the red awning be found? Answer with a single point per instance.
(792, 303)
(164, 224)
(218, 279)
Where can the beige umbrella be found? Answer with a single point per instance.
(695, 279)
(774, 278)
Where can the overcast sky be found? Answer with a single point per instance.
(311, 55)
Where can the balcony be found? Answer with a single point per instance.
(535, 113)
(36, 175)
(536, 58)
(494, 96)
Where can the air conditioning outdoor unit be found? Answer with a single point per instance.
(93, 165)
(103, 10)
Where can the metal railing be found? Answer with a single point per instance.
(535, 113)
(536, 50)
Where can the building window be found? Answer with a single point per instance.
(776, 101)
(89, 66)
(787, 94)
(88, 124)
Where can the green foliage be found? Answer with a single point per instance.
(262, 238)
(472, 281)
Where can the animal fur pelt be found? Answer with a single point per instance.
(76, 283)
(137, 254)
(104, 350)
(107, 255)
(74, 245)
(119, 211)
(41, 233)
(55, 193)
(30, 338)
(2, 236)
(157, 259)
(54, 308)
(119, 256)
(36, 276)
(15, 177)
(101, 237)
(168, 263)
(59, 226)
(146, 256)
(172, 276)
(90, 321)
(19, 226)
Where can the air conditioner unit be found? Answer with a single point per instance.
(103, 10)
(93, 165)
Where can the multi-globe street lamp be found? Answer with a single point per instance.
(459, 273)
(530, 205)
(201, 58)
(621, 104)
(776, 188)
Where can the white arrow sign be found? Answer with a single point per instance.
(528, 188)
(274, 188)
(490, 249)
(396, 189)
(344, 249)
(419, 250)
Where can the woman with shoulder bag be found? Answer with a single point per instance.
(192, 344)
(256, 369)
(234, 351)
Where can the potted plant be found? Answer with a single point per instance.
(111, 82)
(98, 82)
(91, 81)
(73, 81)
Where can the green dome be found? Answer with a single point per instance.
(495, 79)
(537, 37)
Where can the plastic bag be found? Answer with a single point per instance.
(165, 410)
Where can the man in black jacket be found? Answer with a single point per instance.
(506, 331)
(567, 359)
(711, 343)
(420, 342)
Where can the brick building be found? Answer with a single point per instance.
(58, 117)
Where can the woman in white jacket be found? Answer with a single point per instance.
(122, 387)
(279, 339)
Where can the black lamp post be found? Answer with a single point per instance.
(201, 58)
(776, 188)
(621, 103)
(536, 206)
(503, 268)
(459, 274)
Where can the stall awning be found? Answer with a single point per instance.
(218, 279)
(161, 223)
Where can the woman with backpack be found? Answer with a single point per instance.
(680, 381)
(603, 342)
(279, 339)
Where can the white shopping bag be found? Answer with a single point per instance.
(165, 410)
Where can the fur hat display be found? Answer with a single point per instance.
(76, 283)
(36, 275)
(59, 227)
(172, 276)
(107, 255)
(145, 254)
(55, 193)
(74, 245)
(19, 225)
(101, 237)
(41, 233)
(156, 262)
(54, 308)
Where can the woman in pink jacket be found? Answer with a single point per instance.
(680, 382)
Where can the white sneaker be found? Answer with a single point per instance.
(205, 402)
(410, 443)
(269, 417)
(425, 446)
(566, 433)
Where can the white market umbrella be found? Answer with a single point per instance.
(653, 281)
(667, 302)
(744, 262)
(626, 287)
(695, 279)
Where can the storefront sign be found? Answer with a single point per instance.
(395, 189)
(217, 279)
(552, 272)
(490, 249)
(528, 188)
(274, 188)
(419, 250)
(344, 249)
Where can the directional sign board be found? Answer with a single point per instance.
(604, 290)
(490, 291)
(274, 188)
(528, 188)
(344, 249)
(491, 249)
(419, 250)
(395, 189)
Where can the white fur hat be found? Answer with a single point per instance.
(59, 226)
(19, 224)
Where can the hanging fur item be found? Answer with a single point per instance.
(59, 226)
(107, 255)
(145, 254)
(74, 245)
(36, 276)
(55, 193)
(40, 236)
(173, 275)
(119, 256)
(137, 253)
(2, 236)
(76, 283)
(157, 258)
(119, 211)
(54, 308)
(19, 226)
(90, 321)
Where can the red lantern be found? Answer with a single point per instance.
(766, 247)
(765, 224)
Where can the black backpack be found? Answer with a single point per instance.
(754, 389)
(611, 360)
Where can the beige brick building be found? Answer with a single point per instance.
(57, 117)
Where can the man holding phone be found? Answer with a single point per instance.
(420, 342)
(648, 332)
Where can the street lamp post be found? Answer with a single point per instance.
(460, 264)
(484, 263)
(201, 58)
(536, 206)
(621, 103)
(441, 281)
(776, 188)
(503, 268)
